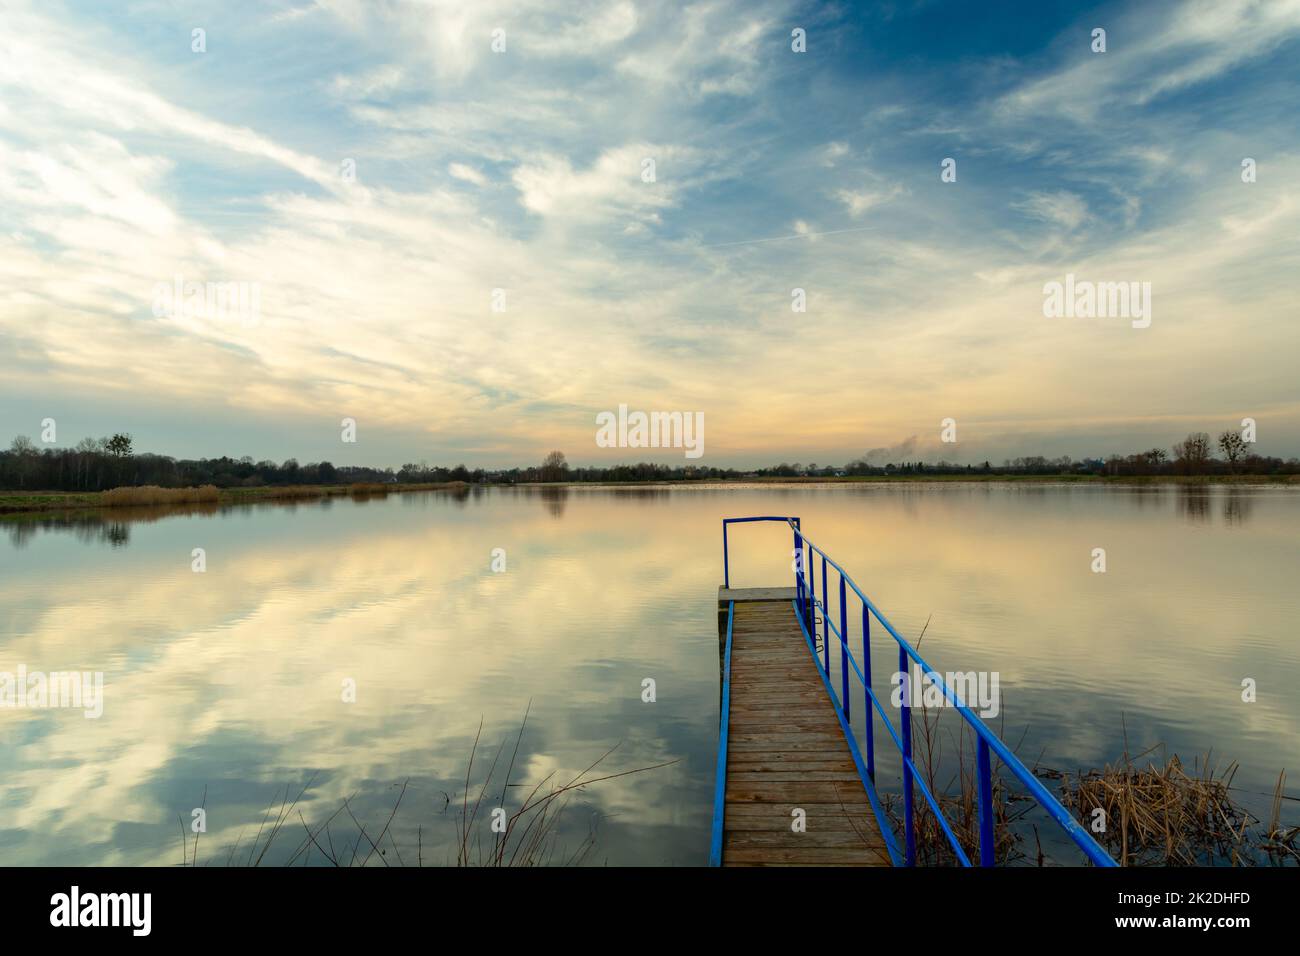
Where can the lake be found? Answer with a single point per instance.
(228, 688)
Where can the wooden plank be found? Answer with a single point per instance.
(820, 817)
(781, 741)
(815, 855)
(755, 594)
(814, 762)
(790, 840)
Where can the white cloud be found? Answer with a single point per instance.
(612, 186)
(1156, 51)
(467, 173)
(834, 152)
(861, 201)
(1061, 208)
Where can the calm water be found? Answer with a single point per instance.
(224, 688)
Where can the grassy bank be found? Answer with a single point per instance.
(1070, 479)
(12, 502)
(37, 501)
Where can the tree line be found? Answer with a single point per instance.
(97, 464)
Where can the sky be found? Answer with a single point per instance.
(461, 249)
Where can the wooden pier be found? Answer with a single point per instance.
(786, 749)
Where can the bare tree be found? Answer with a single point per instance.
(1233, 447)
(554, 467)
(1193, 452)
(24, 453)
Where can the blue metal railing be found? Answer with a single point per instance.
(724, 721)
(988, 743)
(726, 563)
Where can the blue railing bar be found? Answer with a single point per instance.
(826, 619)
(798, 570)
(988, 836)
(1077, 833)
(812, 598)
(726, 562)
(726, 559)
(886, 831)
(905, 719)
(866, 685)
(844, 658)
(720, 778)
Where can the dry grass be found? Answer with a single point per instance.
(1280, 841)
(153, 495)
(529, 837)
(368, 488)
(1159, 814)
(958, 798)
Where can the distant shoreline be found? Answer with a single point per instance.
(17, 502)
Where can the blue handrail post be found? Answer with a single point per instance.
(866, 700)
(812, 596)
(826, 628)
(798, 567)
(988, 837)
(906, 721)
(726, 564)
(844, 648)
(724, 722)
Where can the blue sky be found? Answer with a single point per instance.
(126, 159)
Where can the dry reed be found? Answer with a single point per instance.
(1159, 814)
(368, 488)
(154, 495)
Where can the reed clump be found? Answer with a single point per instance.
(154, 495)
(368, 488)
(1160, 814)
(1279, 841)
